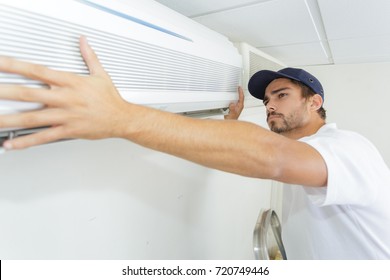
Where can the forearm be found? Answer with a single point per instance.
(233, 146)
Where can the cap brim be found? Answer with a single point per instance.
(260, 81)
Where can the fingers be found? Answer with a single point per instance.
(66, 101)
(25, 94)
(239, 106)
(45, 117)
(90, 58)
(34, 71)
(241, 97)
(50, 76)
(42, 137)
(235, 109)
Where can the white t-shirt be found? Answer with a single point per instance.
(348, 219)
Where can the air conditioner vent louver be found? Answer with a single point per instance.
(255, 60)
(258, 62)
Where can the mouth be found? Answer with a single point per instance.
(273, 116)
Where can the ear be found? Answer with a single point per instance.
(316, 102)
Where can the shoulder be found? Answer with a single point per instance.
(331, 136)
(348, 154)
(356, 170)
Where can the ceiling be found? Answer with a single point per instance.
(300, 32)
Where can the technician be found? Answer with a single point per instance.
(337, 186)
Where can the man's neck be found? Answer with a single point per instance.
(304, 131)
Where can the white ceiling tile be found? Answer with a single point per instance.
(192, 8)
(266, 24)
(353, 30)
(361, 50)
(355, 18)
(299, 54)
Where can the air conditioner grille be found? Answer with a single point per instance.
(258, 62)
(132, 65)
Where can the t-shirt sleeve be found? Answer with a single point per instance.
(352, 164)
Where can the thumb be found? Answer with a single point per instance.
(241, 96)
(90, 58)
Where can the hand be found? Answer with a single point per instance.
(74, 106)
(235, 109)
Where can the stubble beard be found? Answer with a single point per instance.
(280, 128)
(284, 124)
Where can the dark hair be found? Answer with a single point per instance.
(308, 92)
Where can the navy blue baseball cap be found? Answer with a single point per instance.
(260, 80)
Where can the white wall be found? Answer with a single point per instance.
(112, 199)
(357, 97)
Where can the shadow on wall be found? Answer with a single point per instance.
(114, 165)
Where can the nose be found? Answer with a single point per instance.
(270, 107)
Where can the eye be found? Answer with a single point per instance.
(282, 94)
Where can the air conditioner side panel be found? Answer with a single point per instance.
(255, 60)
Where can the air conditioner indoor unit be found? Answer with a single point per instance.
(154, 55)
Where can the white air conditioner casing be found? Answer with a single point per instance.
(255, 60)
(154, 55)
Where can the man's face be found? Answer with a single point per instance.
(286, 108)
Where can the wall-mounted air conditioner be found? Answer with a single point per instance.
(154, 55)
(255, 60)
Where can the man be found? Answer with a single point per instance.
(341, 220)
(337, 207)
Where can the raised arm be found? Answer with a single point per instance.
(91, 108)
